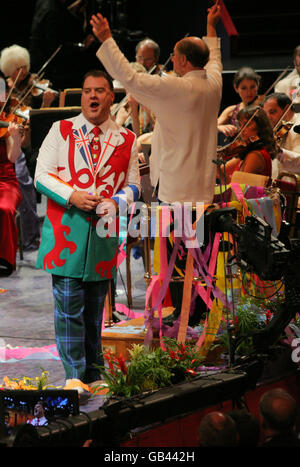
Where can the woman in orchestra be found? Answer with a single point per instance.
(246, 83)
(12, 60)
(28, 206)
(10, 196)
(256, 147)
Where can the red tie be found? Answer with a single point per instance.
(95, 145)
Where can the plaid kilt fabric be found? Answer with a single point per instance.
(78, 310)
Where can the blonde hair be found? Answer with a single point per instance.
(12, 58)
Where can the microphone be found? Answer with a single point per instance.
(296, 129)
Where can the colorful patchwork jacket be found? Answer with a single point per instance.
(70, 243)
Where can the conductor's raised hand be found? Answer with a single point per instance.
(213, 17)
(100, 27)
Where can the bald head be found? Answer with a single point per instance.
(195, 50)
(278, 410)
(217, 429)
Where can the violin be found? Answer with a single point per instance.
(233, 149)
(238, 148)
(281, 132)
(41, 85)
(5, 120)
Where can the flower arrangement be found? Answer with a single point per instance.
(149, 369)
(25, 383)
(251, 314)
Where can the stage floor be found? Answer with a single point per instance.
(27, 341)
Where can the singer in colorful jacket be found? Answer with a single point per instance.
(84, 187)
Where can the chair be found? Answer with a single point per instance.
(249, 178)
(42, 119)
(289, 185)
(70, 97)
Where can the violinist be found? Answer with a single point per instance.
(257, 148)
(147, 54)
(129, 114)
(28, 206)
(10, 195)
(246, 84)
(291, 82)
(13, 59)
(279, 109)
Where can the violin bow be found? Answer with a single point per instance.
(170, 57)
(10, 92)
(39, 74)
(49, 60)
(25, 95)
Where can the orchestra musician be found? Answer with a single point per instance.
(279, 109)
(15, 65)
(128, 111)
(10, 193)
(255, 148)
(291, 82)
(246, 83)
(147, 53)
(12, 60)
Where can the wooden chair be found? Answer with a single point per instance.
(249, 179)
(70, 97)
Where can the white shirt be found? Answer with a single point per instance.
(289, 159)
(185, 134)
(291, 81)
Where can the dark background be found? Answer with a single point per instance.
(267, 34)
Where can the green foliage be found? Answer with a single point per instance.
(251, 314)
(150, 369)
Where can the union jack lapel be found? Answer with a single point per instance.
(83, 144)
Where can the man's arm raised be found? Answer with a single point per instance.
(100, 27)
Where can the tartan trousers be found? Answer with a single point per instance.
(78, 311)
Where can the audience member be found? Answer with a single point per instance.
(278, 410)
(217, 429)
(248, 428)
